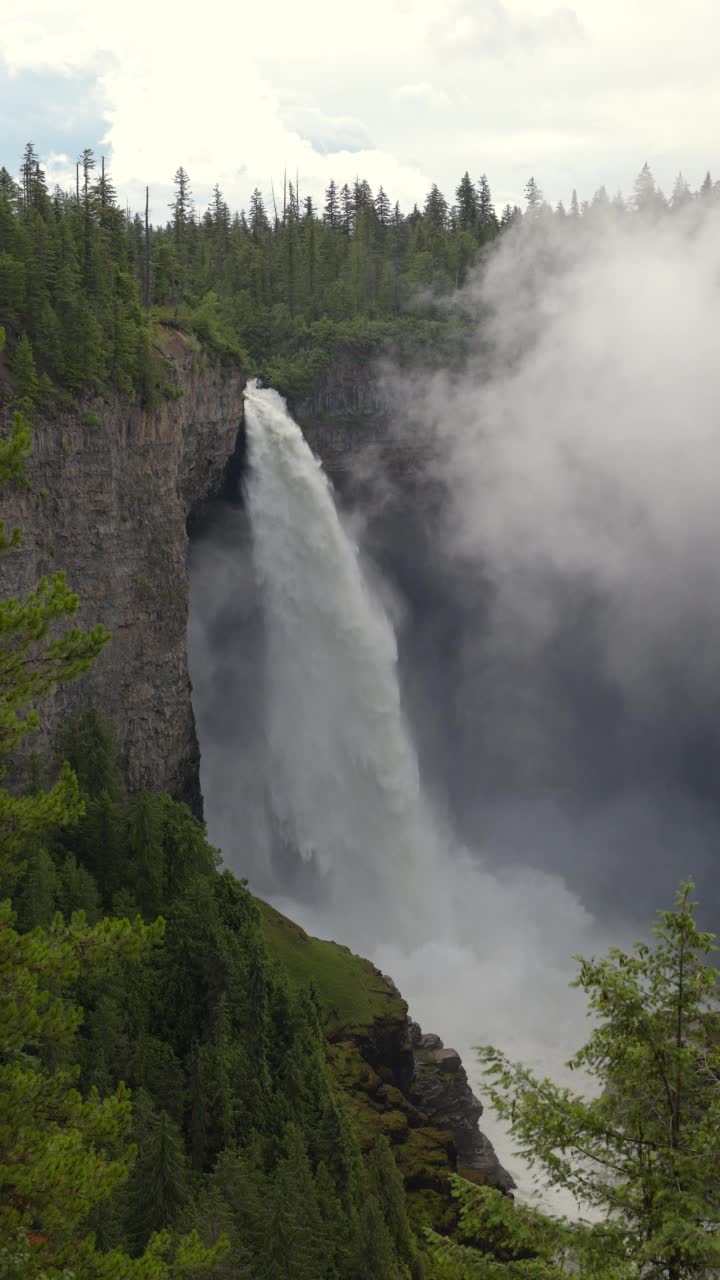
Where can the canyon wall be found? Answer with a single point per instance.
(111, 490)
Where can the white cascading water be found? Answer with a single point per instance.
(343, 774)
(481, 956)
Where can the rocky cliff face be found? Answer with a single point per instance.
(111, 490)
(439, 1087)
(408, 1087)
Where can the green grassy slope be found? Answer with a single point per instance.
(352, 993)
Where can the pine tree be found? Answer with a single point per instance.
(182, 205)
(362, 196)
(574, 206)
(293, 1225)
(533, 199)
(347, 210)
(32, 179)
(9, 189)
(435, 209)
(258, 217)
(486, 208)
(680, 193)
(388, 1187)
(383, 208)
(467, 204)
(27, 384)
(642, 1150)
(331, 214)
(645, 191)
(158, 1189)
(103, 194)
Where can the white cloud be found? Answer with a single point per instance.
(424, 94)
(577, 95)
(490, 28)
(327, 134)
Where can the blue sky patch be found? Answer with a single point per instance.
(58, 113)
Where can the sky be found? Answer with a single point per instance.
(403, 92)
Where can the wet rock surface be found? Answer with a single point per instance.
(440, 1089)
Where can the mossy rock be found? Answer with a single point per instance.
(428, 1208)
(354, 1073)
(426, 1158)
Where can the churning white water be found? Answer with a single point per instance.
(481, 957)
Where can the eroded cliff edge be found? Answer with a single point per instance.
(111, 490)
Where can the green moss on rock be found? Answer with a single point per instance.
(426, 1159)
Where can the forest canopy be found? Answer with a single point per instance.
(87, 288)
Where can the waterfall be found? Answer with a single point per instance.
(482, 955)
(342, 770)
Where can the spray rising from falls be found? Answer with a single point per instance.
(343, 774)
(480, 955)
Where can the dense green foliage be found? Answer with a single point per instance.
(85, 288)
(88, 291)
(239, 1128)
(641, 1152)
(167, 1104)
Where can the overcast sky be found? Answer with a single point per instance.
(404, 92)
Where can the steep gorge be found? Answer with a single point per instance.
(112, 489)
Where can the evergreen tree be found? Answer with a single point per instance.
(27, 383)
(182, 205)
(158, 1189)
(347, 209)
(533, 199)
(331, 215)
(642, 1151)
(388, 1188)
(486, 208)
(435, 209)
(467, 204)
(32, 178)
(680, 193)
(293, 1226)
(383, 208)
(645, 199)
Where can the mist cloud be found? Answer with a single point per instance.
(578, 454)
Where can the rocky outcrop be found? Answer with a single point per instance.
(347, 389)
(440, 1089)
(112, 488)
(410, 1088)
(354, 419)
